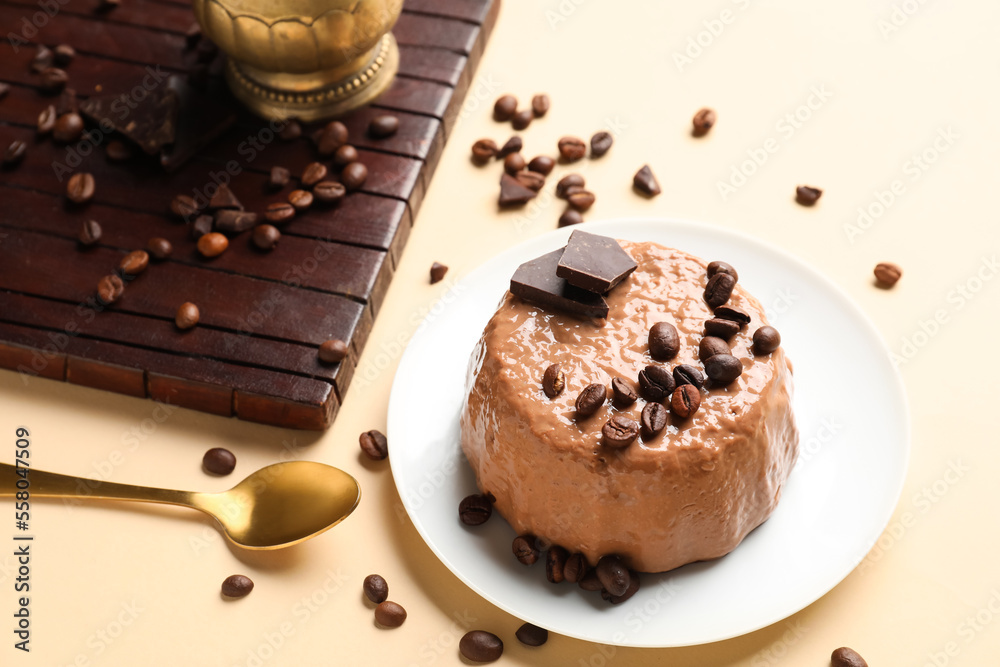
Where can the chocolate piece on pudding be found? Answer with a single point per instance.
(536, 281)
(594, 263)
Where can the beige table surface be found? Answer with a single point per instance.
(139, 586)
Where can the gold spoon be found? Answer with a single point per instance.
(275, 507)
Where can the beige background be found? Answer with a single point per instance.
(147, 579)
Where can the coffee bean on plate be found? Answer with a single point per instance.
(721, 328)
(46, 120)
(437, 272)
(590, 582)
(504, 108)
(383, 126)
(722, 369)
(846, 657)
(653, 418)
(329, 192)
(688, 374)
(540, 105)
(613, 574)
(134, 263)
(719, 289)
(600, 143)
(522, 119)
(376, 589)
(572, 148)
(313, 174)
(703, 121)
(279, 212)
(389, 614)
(555, 563)
(887, 273)
(332, 351)
(183, 206)
(807, 195)
(553, 380)
(483, 150)
(664, 342)
(722, 267)
(633, 587)
(685, 400)
(219, 461)
(374, 445)
(301, 200)
(90, 232)
(568, 181)
(542, 164)
(265, 236)
(644, 182)
(525, 550)
(711, 346)
(513, 145)
(212, 244)
(279, 177)
(354, 175)
(581, 200)
(68, 128)
(480, 646)
(344, 156)
(656, 383)
(187, 316)
(475, 510)
(237, 586)
(15, 153)
(80, 187)
(766, 340)
(532, 635)
(575, 568)
(623, 393)
(620, 431)
(118, 151)
(513, 163)
(110, 289)
(591, 399)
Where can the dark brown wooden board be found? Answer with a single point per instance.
(263, 314)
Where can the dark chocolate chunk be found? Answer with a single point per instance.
(594, 263)
(513, 193)
(536, 281)
(150, 123)
(645, 182)
(235, 222)
(224, 199)
(201, 118)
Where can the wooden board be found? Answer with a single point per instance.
(263, 315)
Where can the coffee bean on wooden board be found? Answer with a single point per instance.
(389, 614)
(721, 328)
(719, 289)
(237, 586)
(382, 126)
(90, 233)
(846, 657)
(688, 374)
(568, 181)
(475, 510)
(572, 148)
(645, 183)
(766, 340)
(656, 383)
(504, 108)
(235, 222)
(279, 212)
(600, 144)
(53, 80)
(525, 549)
(555, 564)
(480, 646)
(265, 236)
(354, 175)
(591, 399)
(513, 163)
(159, 248)
(291, 131)
(483, 150)
(279, 177)
(664, 342)
(333, 351)
(134, 263)
(15, 152)
(46, 120)
(187, 316)
(80, 187)
(540, 105)
(313, 174)
(542, 164)
(570, 217)
(722, 267)
(553, 380)
(620, 431)
(331, 137)
(66, 102)
(623, 393)
(68, 128)
(118, 151)
(110, 289)
(685, 401)
(201, 225)
(653, 418)
(711, 346)
(63, 54)
(329, 192)
(633, 588)
(219, 461)
(723, 369)
(212, 244)
(522, 119)
(438, 271)
(344, 156)
(513, 145)
(301, 200)
(183, 206)
(376, 589)
(43, 59)
(532, 635)
(374, 445)
(887, 274)
(703, 121)
(613, 574)
(807, 195)
(4, 89)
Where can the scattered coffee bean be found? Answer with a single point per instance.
(572, 148)
(591, 399)
(581, 200)
(723, 368)
(513, 145)
(237, 586)
(279, 178)
(66, 103)
(329, 192)
(192, 36)
(540, 105)
(525, 550)
(53, 80)
(118, 151)
(300, 200)
(522, 119)
(201, 225)
(212, 244)
(623, 394)
(43, 59)
(656, 383)
(590, 581)
(513, 163)
(134, 263)
(219, 461)
(685, 400)
(722, 267)
(80, 187)
(344, 156)
(570, 217)
(333, 351)
(110, 289)
(233, 222)
(187, 316)
(555, 564)
(807, 195)
(846, 657)
(504, 108)
(374, 445)
(480, 646)
(613, 574)
(383, 126)
(719, 289)
(733, 314)
(291, 131)
(532, 635)
(664, 342)
(703, 121)
(553, 380)
(90, 233)
(4, 89)
(313, 174)
(266, 236)
(721, 328)
(620, 431)
(644, 182)
(376, 589)
(354, 175)
(46, 120)
(530, 179)
(688, 374)
(766, 340)
(437, 272)
(68, 128)
(542, 164)
(483, 150)
(600, 144)
(159, 248)
(575, 568)
(633, 587)
(63, 54)
(653, 418)
(183, 206)
(887, 273)
(711, 346)
(279, 212)
(15, 153)
(389, 614)
(475, 510)
(331, 137)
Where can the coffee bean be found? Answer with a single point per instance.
(184, 207)
(531, 180)
(437, 272)
(581, 200)
(513, 163)
(703, 121)
(567, 182)
(389, 614)
(46, 120)
(553, 380)
(887, 273)
(656, 383)
(134, 263)
(279, 212)
(524, 549)
(540, 105)
(711, 346)
(233, 222)
(354, 175)
(590, 581)
(291, 131)
(237, 586)
(15, 153)
(555, 564)
(333, 351)
(192, 36)
(733, 314)
(504, 108)
(110, 289)
(374, 445)
(513, 145)
(623, 394)
(542, 164)
(383, 126)
(721, 328)
(664, 342)
(313, 174)
(118, 151)
(723, 369)
(807, 195)
(575, 568)
(475, 510)
(90, 233)
(620, 431)
(685, 400)
(159, 248)
(187, 316)
(766, 340)
(4, 89)
(572, 148)
(53, 80)
(570, 217)
(43, 59)
(522, 119)
(644, 182)
(613, 574)
(300, 200)
(344, 156)
(279, 178)
(600, 144)
(63, 54)
(376, 589)
(331, 137)
(266, 236)
(212, 244)
(653, 418)
(68, 128)
(219, 461)
(481, 646)
(846, 657)
(532, 635)
(329, 192)
(483, 150)
(591, 399)
(201, 225)
(67, 102)
(719, 289)
(80, 187)
(688, 374)
(722, 267)
(633, 587)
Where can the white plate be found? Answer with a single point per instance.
(849, 405)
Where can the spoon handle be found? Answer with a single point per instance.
(50, 484)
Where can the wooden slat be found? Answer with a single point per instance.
(473, 11)
(141, 13)
(442, 33)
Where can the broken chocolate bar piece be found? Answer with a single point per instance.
(594, 263)
(513, 193)
(536, 281)
(224, 199)
(201, 118)
(151, 122)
